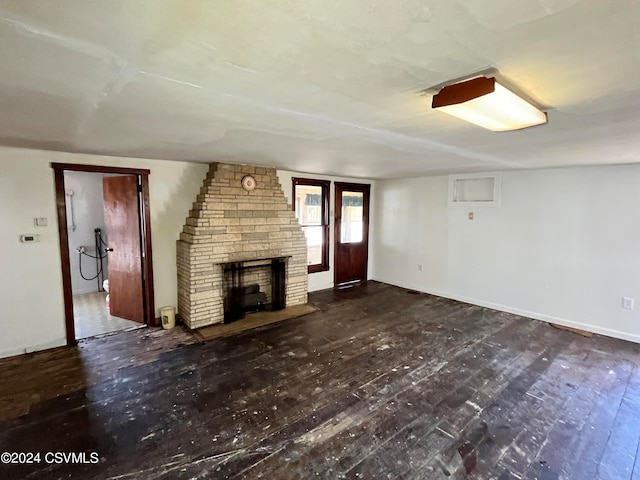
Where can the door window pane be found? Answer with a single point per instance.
(351, 222)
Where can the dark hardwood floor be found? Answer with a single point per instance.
(379, 383)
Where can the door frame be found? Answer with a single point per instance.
(145, 231)
(365, 188)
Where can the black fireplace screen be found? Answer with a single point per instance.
(241, 297)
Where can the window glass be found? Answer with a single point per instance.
(352, 215)
(314, 244)
(309, 205)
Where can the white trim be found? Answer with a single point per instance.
(524, 313)
(61, 342)
(82, 291)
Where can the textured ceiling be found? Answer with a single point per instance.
(318, 86)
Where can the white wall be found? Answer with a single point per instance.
(563, 247)
(322, 280)
(32, 308)
(88, 213)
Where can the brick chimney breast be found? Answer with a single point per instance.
(230, 224)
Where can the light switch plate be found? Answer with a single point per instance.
(41, 221)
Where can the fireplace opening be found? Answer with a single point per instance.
(254, 299)
(252, 286)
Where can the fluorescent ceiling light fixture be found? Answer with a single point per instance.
(486, 103)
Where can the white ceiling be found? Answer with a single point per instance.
(320, 86)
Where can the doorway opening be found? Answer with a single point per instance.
(105, 248)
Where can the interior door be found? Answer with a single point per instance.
(122, 222)
(351, 251)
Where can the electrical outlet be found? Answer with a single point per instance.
(29, 238)
(81, 249)
(627, 303)
(470, 215)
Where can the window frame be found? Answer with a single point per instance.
(325, 186)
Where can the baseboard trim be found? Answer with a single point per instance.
(84, 291)
(523, 313)
(61, 342)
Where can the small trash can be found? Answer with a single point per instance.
(168, 316)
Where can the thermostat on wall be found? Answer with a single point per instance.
(29, 238)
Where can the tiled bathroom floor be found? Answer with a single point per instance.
(92, 316)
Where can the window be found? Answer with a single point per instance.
(475, 190)
(311, 205)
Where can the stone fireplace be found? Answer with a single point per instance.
(228, 226)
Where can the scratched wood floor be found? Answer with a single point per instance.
(379, 383)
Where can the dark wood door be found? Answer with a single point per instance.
(122, 222)
(351, 251)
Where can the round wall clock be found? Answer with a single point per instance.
(248, 183)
